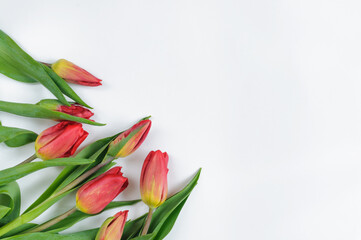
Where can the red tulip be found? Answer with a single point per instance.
(96, 194)
(153, 179)
(74, 109)
(112, 228)
(59, 141)
(130, 140)
(74, 74)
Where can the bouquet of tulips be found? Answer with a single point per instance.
(90, 173)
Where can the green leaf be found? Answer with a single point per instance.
(10, 174)
(167, 226)
(172, 203)
(78, 216)
(3, 211)
(36, 111)
(22, 228)
(10, 198)
(17, 64)
(85, 235)
(16, 137)
(64, 87)
(133, 228)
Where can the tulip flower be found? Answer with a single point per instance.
(130, 140)
(74, 74)
(153, 179)
(96, 194)
(153, 183)
(74, 109)
(112, 228)
(59, 141)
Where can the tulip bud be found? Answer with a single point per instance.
(74, 74)
(60, 140)
(96, 194)
(153, 179)
(74, 109)
(130, 140)
(112, 228)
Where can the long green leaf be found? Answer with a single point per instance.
(16, 137)
(85, 235)
(36, 111)
(18, 230)
(172, 203)
(10, 174)
(10, 198)
(27, 69)
(167, 226)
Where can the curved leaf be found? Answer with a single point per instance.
(37, 111)
(3, 211)
(10, 198)
(16, 137)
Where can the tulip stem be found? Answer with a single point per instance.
(83, 177)
(52, 221)
(29, 159)
(147, 222)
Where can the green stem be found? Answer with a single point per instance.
(35, 212)
(147, 222)
(52, 221)
(30, 159)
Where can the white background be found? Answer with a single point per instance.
(263, 95)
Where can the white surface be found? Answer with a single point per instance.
(264, 95)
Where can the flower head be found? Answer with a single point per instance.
(130, 140)
(74, 109)
(59, 141)
(74, 74)
(96, 194)
(112, 228)
(153, 179)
